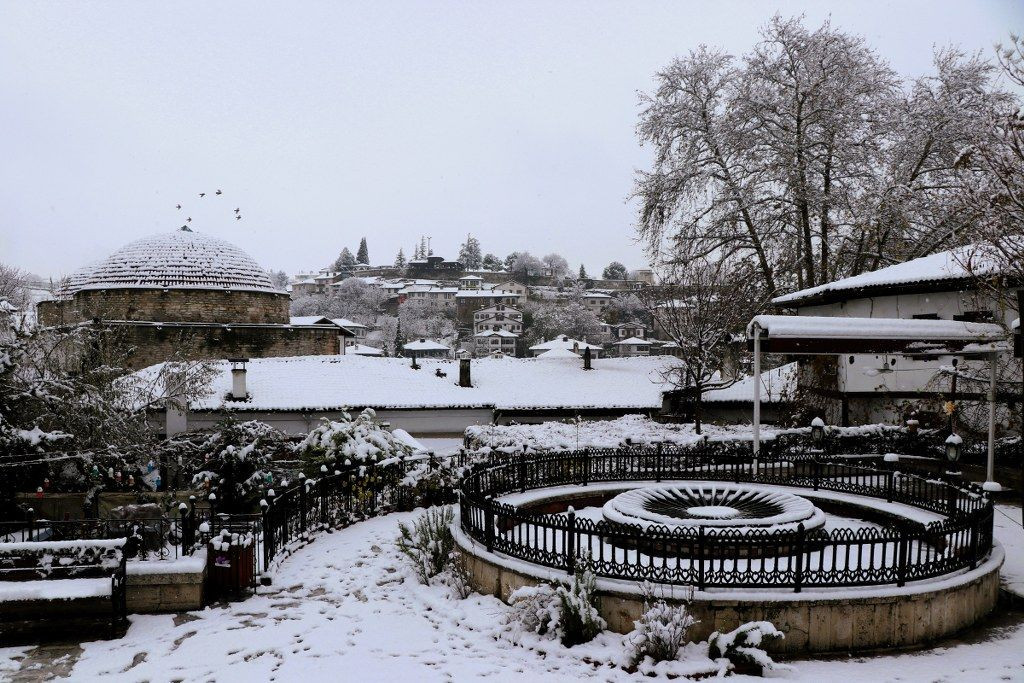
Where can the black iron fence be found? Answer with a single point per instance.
(708, 558)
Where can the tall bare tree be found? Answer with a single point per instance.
(701, 306)
(809, 155)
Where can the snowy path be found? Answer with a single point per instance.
(346, 609)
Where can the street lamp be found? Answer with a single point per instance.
(817, 431)
(953, 444)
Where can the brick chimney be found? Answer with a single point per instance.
(586, 359)
(464, 377)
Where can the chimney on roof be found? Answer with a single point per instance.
(464, 377)
(412, 353)
(586, 359)
(239, 391)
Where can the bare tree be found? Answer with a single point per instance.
(809, 155)
(14, 286)
(701, 306)
(557, 266)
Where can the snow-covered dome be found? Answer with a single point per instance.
(175, 260)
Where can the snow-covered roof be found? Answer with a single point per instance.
(947, 266)
(345, 322)
(804, 326)
(596, 295)
(564, 342)
(425, 345)
(176, 260)
(558, 353)
(496, 333)
(470, 277)
(633, 341)
(350, 381)
(364, 350)
(777, 385)
(796, 334)
(483, 293)
(310, 320)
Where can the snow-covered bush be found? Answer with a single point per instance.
(568, 611)
(744, 646)
(351, 441)
(579, 620)
(428, 543)
(535, 609)
(236, 463)
(661, 630)
(456, 575)
(427, 484)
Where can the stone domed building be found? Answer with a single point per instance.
(186, 294)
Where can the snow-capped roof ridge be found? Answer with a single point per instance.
(954, 264)
(182, 259)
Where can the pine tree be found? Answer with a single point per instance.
(400, 259)
(583, 272)
(399, 338)
(469, 253)
(345, 261)
(363, 254)
(423, 247)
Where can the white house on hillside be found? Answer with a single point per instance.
(487, 342)
(426, 348)
(565, 342)
(867, 388)
(498, 317)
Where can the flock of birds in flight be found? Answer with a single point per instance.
(238, 212)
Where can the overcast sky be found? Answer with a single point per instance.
(325, 122)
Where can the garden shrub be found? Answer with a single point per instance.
(579, 620)
(744, 646)
(428, 543)
(661, 630)
(535, 609)
(568, 611)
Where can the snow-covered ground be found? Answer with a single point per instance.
(347, 608)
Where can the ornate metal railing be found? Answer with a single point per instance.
(707, 558)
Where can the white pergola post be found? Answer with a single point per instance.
(990, 468)
(757, 393)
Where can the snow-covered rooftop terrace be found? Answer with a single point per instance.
(351, 381)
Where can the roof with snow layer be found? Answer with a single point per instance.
(812, 334)
(176, 260)
(323, 383)
(936, 272)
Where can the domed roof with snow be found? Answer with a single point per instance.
(175, 260)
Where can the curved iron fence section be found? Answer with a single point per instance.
(709, 558)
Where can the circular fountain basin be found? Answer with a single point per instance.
(717, 505)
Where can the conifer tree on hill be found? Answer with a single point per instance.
(363, 254)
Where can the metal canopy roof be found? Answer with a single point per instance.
(827, 335)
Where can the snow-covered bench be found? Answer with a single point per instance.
(48, 581)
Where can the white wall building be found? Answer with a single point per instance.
(869, 388)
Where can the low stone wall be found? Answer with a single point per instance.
(852, 620)
(177, 586)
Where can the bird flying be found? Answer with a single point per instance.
(218, 192)
(202, 194)
(179, 207)
(237, 210)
